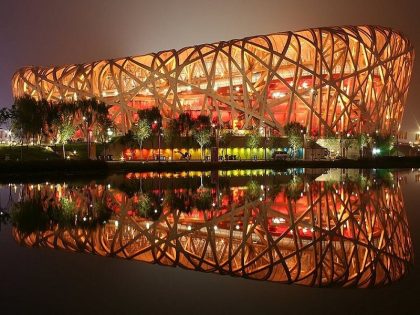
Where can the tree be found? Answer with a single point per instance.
(203, 137)
(26, 117)
(88, 112)
(5, 115)
(253, 140)
(294, 132)
(48, 113)
(153, 118)
(384, 142)
(202, 122)
(185, 123)
(363, 141)
(150, 114)
(66, 130)
(170, 134)
(225, 138)
(202, 132)
(346, 143)
(141, 131)
(102, 129)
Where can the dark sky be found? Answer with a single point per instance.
(47, 32)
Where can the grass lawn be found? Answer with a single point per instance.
(38, 153)
(29, 153)
(80, 148)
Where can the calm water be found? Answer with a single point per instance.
(344, 240)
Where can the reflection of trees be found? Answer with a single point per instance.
(64, 213)
(345, 235)
(67, 207)
(144, 204)
(203, 199)
(294, 188)
(177, 201)
(29, 215)
(4, 214)
(253, 190)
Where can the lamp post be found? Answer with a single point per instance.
(87, 136)
(216, 136)
(302, 131)
(109, 132)
(159, 125)
(338, 133)
(265, 142)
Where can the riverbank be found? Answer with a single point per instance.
(29, 169)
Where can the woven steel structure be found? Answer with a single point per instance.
(340, 234)
(337, 79)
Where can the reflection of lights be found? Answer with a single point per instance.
(285, 234)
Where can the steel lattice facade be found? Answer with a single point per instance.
(336, 79)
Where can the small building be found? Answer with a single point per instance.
(315, 152)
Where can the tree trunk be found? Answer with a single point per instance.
(141, 149)
(64, 152)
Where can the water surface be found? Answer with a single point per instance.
(312, 228)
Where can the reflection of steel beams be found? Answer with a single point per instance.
(331, 79)
(333, 235)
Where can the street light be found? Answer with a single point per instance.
(87, 136)
(159, 135)
(109, 132)
(216, 136)
(265, 142)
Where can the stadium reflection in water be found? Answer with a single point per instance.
(336, 229)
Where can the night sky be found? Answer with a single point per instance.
(46, 32)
